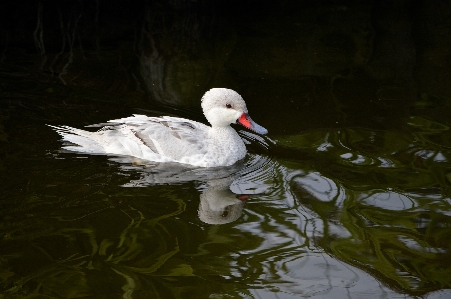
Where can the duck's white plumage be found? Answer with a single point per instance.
(173, 139)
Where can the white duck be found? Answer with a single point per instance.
(172, 139)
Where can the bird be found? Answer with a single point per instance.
(172, 139)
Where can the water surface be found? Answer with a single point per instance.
(348, 195)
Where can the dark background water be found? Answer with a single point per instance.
(350, 194)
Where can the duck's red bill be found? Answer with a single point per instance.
(247, 122)
(242, 197)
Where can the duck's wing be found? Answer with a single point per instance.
(159, 132)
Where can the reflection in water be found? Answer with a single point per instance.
(78, 227)
(382, 215)
(218, 203)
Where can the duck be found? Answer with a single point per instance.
(172, 139)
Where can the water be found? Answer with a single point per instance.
(348, 195)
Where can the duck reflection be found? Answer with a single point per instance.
(218, 204)
(223, 190)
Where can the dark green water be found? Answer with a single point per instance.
(349, 195)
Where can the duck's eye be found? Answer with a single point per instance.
(228, 106)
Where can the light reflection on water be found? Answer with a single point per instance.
(362, 210)
(329, 213)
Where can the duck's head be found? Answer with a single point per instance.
(223, 107)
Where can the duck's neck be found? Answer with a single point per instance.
(226, 133)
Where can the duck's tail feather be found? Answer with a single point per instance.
(81, 140)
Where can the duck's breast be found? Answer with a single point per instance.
(225, 147)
